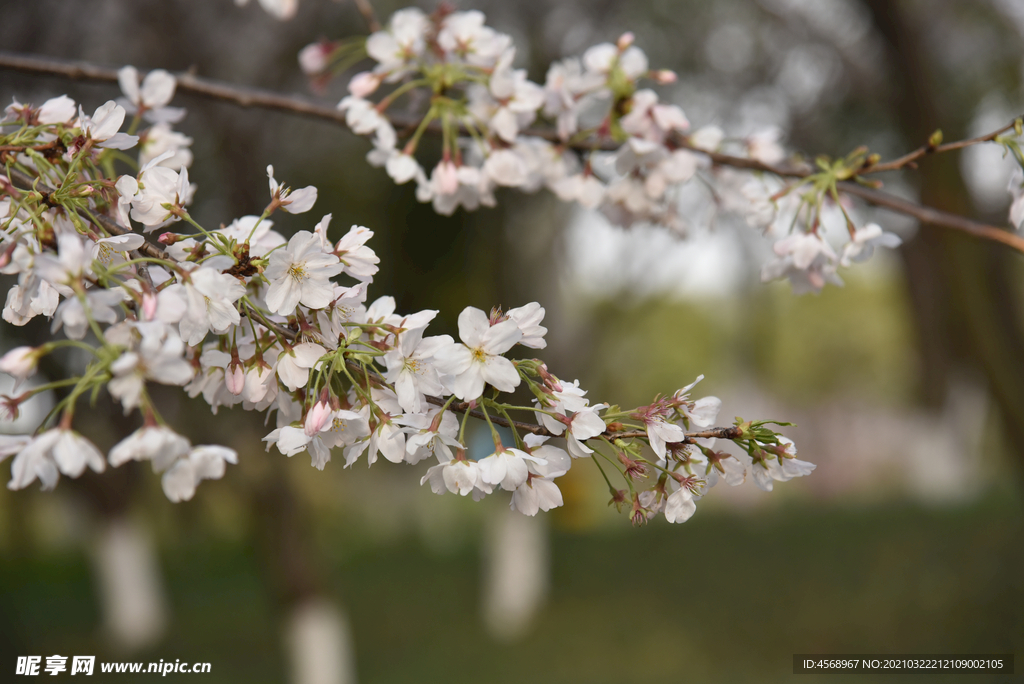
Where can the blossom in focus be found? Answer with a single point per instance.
(300, 273)
(292, 201)
(103, 126)
(478, 361)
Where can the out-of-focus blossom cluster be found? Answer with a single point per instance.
(245, 316)
(595, 133)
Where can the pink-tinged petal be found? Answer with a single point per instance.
(317, 418)
(234, 379)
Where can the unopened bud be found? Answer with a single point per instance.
(664, 76)
(313, 58)
(169, 238)
(625, 40)
(363, 84)
(634, 469)
(936, 139)
(317, 418)
(7, 254)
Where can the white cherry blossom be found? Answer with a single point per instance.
(300, 273)
(478, 361)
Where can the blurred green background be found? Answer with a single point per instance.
(907, 385)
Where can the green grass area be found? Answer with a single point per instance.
(725, 597)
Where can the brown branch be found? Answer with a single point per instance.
(369, 16)
(186, 82)
(246, 97)
(911, 157)
(934, 217)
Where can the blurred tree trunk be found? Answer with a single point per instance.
(958, 285)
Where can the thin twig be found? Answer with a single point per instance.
(369, 16)
(911, 157)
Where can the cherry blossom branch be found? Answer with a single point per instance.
(23, 181)
(264, 99)
(469, 407)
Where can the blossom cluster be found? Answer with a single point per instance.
(595, 133)
(245, 316)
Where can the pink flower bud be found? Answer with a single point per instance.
(665, 76)
(313, 57)
(625, 40)
(317, 418)
(235, 378)
(446, 175)
(149, 304)
(20, 362)
(364, 83)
